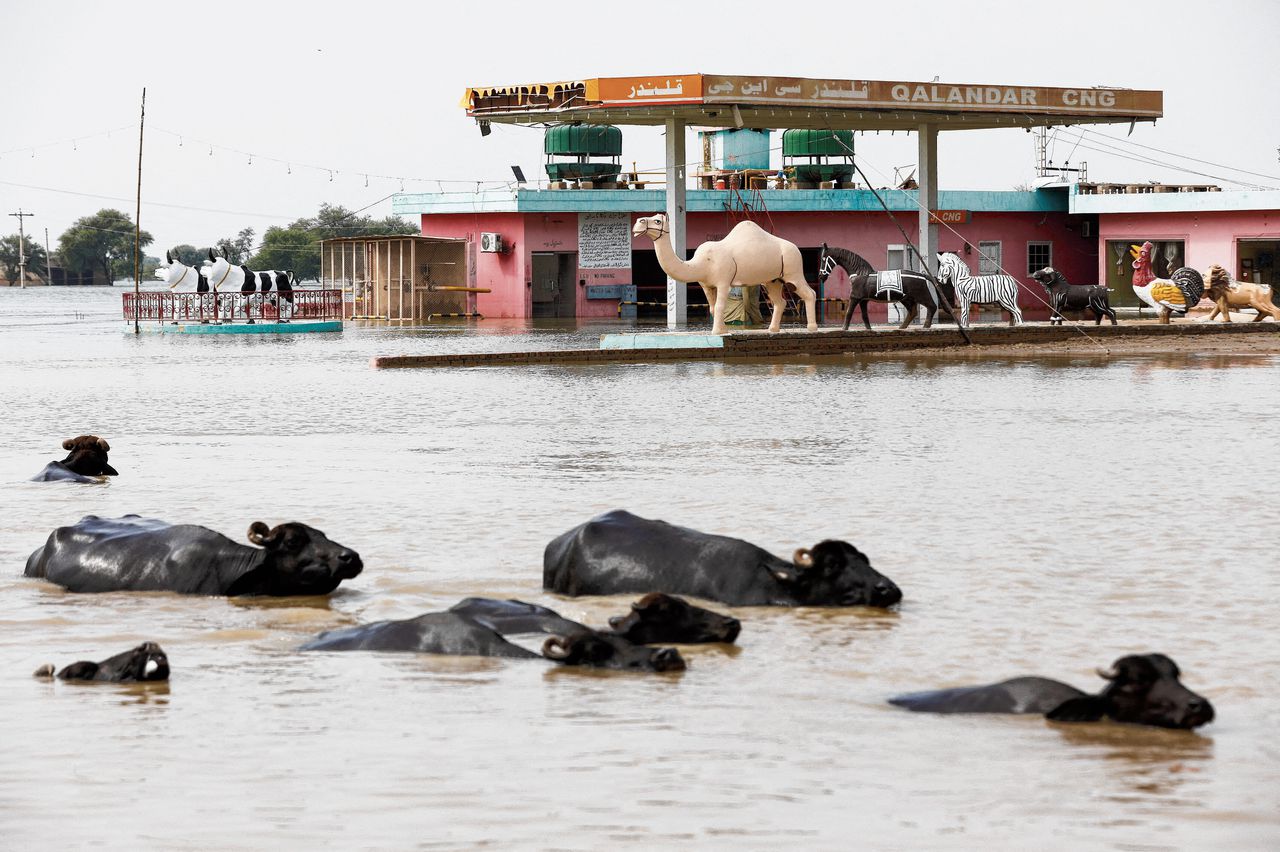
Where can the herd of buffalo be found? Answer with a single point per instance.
(614, 553)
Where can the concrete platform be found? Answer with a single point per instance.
(662, 340)
(238, 327)
(1088, 339)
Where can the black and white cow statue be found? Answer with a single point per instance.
(226, 276)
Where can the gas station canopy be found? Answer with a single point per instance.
(714, 100)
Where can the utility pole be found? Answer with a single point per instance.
(137, 218)
(22, 248)
(48, 258)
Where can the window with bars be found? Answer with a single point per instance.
(1039, 255)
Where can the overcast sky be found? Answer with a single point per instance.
(373, 89)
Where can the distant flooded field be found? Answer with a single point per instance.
(1042, 516)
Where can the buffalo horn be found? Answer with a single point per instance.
(102, 442)
(1109, 674)
(259, 533)
(555, 649)
(69, 443)
(803, 558)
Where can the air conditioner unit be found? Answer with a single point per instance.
(490, 242)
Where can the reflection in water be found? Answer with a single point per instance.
(962, 480)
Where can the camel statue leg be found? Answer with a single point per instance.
(718, 309)
(709, 293)
(810, 299)
(778, 301)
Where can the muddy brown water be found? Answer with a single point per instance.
(1041, 515)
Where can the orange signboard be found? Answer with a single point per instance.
(670, 88)
(949, 217)
(879, 94)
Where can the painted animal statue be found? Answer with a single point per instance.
(746, 257)
(1176, 294)
(1228, 294)
(178, 273)
(909, 289)
(1064, 296)
(223, 274)
(973, 289)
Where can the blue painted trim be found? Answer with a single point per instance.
(714, 201)
(241, 328)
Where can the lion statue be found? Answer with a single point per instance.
(1227, 294)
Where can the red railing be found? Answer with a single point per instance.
(233, 307)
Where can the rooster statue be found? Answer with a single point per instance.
(1176, 294)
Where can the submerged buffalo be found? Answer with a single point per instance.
(146, 555)
(86, 461)
(1143, 690)
(619, 552)
(478, 627)
(145, 663)
(663, 618)
(655, 618)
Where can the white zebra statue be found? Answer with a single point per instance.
(973, 289)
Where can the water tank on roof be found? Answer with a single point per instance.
(571, 149)
(735, 150)
(814, 156)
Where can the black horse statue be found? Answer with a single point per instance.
(909, 289)
(1064, 296)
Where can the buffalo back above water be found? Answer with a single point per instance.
(619, 552)
(1142, 689)
(148, 555)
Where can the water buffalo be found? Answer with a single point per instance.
(654, 619)
(619, 552)
(145, 663)
(86, 460)
(147, 555)
(1143, 690)
(662, 618)
(477, 627)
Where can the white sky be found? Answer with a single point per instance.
(374, 88)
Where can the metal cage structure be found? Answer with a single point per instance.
(398, 278)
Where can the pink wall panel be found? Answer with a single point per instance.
(1210, 237)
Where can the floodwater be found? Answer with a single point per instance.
(1041, 516)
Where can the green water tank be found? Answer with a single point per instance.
(571, 147)
(817, 143)
(589, 140)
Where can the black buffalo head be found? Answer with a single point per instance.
(835, 573)
(147, 662)
(87, 456)
(662, 618)
(589, 648)
(1144, 690)
(302, 560)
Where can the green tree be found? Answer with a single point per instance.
(237, 249)
(103, 241)
(37, 263)
(297, 245)
(188, 255)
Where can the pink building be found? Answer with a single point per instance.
(543, 270)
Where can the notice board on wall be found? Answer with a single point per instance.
(604, 241)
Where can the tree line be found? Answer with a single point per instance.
(104, 241)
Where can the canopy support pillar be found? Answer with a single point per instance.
(928, 170)
(677, 291)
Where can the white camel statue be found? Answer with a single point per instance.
(747, 257)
